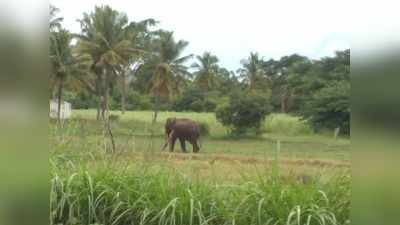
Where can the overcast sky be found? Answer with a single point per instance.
(232, 29)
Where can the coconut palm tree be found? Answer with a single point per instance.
(140, 36)
(104, 37)
(207, 68)
(54, 22)
(252, 70)
(63, 63)
(169, 71)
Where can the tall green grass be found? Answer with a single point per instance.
(153, 194)
(91, 186)
(287, 124)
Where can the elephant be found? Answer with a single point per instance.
(184, 130)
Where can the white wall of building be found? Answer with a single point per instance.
(65, 109)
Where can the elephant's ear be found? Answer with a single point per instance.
(173, 120)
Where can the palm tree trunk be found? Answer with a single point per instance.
(103, 98)
(283, 104)
(98, 110)
(54, 91)
(60, 90)
(123, 95)
(99, 98)
(252, 82)
(106, 98)
(156, 107)
(106, 111)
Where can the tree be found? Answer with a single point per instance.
(326, 94)
(193, 99)
(226, 82)
(104, 37)
(253, 73)
(64, 63)
(287, 77)
(207, 68)
(61, 62)
(140, 36)
(329, 107)
(244, 111)
(169, 71)
(55, 22)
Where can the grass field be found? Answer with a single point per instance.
(239, 181)
(296, 137)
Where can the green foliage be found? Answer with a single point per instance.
(287, 125)
(326, 98)
(329, 107)
(209, 106)
(168, 72)
(194, 100)
(207, 68)
(80, 100)
(134, 101)
(243, 112)
(204, 129)
(155, 72)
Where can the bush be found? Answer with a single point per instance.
(81, 100)
(133, 101)
(204, 128)
(136, 101)
(244, 112)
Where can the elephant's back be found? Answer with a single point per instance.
(187, 128)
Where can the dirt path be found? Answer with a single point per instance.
(234, 159)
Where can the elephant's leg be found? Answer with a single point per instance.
(172, 144)
(183, 146)
(195, 145)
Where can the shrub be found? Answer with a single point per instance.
(136, 101)
(81, 100)
(204, 128)
(244, 112)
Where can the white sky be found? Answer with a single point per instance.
(232, 29)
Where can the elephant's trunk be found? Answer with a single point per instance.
(168, 138)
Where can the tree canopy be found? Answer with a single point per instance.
(116, 63)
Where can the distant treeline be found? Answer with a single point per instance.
(118, 64)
